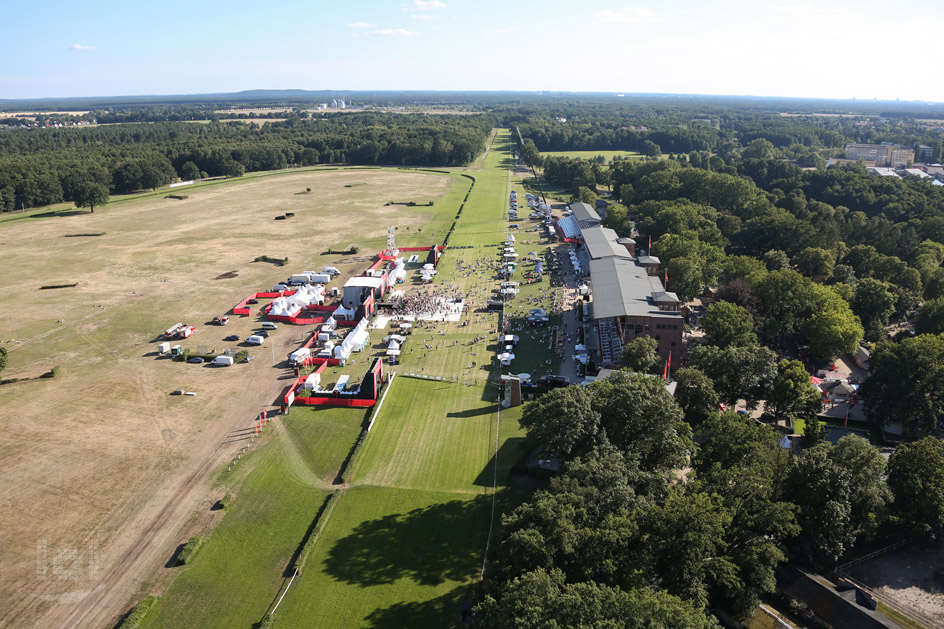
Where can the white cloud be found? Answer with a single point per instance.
(80, 48)
(422, 16)
(359, 25)
(386, 32)
(626, 15)
(425, 5)
(502, 31)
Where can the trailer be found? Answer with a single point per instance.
(176, 350)
(163, 348)
(171, 332)
(299, 355)
(319, 278)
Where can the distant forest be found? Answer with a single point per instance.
(42, 166)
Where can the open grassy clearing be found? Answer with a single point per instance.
(608, 155)
(239, 568)
(430, 435)
(321, 437)
(110, 445)
(391, 558)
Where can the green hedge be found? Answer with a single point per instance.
(318, 526)
(138, 613)
(190, 549)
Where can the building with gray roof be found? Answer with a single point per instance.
(585, 215)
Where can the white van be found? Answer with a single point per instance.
(255, 340)
(269, 325)
(223, 361)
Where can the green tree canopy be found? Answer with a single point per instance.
(695, 394)
(874, 303)
(640, 355)
(930, 317)
(90, 194)
(822, 490)
(563, 420)
(739, 372)
(906, 384)
(727, 324)
(868, 492)
(916, 479)
(792, 394)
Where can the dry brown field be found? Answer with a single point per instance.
(104, 469)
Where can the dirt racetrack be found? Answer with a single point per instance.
(104, 470)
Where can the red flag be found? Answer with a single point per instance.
(669, 367)
(650, 245)
(665, 369)
(666, 277)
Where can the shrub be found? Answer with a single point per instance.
(138, 613)
(307, 189)
(318, 526)
(355, 249)
(226, 501)
(52, 373)
(189, 550)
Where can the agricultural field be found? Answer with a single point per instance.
(112, 468)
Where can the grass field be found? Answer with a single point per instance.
(240, 568)
(608, 155)
(391, 558)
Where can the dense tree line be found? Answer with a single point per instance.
(44, 166)
(645, 528)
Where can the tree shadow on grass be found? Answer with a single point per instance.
(443, 611)
(510, 453)
(428, 545)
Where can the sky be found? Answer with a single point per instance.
(824, 49)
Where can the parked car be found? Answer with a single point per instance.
(253, 301)
(247, 359)
(232, 337)
(196, 360)
(262, 333)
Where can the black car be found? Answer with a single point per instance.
(253, 301)
(232, 337)
(196, 360)
(262, 333)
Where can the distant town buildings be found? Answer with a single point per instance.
(885, 154)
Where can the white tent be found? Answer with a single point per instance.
(429, 266)
(393, 345)
(506, 358)
(511, 237)
(393, 352)
(344, 314)
(291, 305)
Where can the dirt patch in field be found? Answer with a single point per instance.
(104, 468)
(907, 577)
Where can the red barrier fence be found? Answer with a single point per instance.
(241, 309)
(335, 401)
